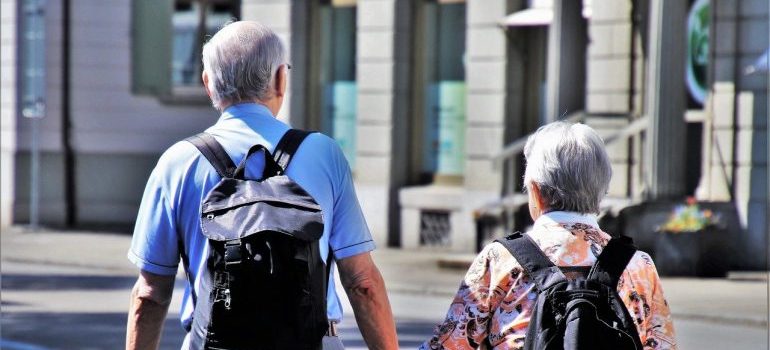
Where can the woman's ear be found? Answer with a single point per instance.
(534, 189)
(205, 79)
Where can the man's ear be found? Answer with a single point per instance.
(280, 81)
(205, 79)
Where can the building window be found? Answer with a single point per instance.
(167, 38)
(192, 26)
(439, 92)
(337, 76)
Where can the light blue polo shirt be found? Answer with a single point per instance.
(170, 206)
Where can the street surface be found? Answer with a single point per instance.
(69, 307)
(65, 307)
(70, 290)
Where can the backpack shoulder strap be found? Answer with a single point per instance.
(214, 153)
(537, 265)
(612, 261)
(288, 145)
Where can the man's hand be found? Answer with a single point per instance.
(149, 304)
(366, 291)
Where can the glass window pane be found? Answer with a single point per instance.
(187, 43)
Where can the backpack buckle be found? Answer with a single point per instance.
(513, 235)
(233, 253)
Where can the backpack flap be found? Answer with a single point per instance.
(237, 208)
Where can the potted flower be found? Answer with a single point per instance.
(692, 242)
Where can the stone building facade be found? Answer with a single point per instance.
(429, 99)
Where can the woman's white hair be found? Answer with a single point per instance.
(241, 60)
(570, 165)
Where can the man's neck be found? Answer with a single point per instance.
(270, 105)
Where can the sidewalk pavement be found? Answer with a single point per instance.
(736, 301)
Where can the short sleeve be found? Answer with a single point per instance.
(154, 247)
(349, 234)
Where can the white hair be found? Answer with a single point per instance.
(570, 165)
(241, 60)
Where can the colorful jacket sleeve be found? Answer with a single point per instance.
(640, 289)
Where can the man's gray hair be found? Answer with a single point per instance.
(569, 163)
(241, 60)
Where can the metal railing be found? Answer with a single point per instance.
(517, 147)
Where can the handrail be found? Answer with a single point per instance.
(517, 146)
(635, 127)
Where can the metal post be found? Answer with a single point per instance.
(34, 94)
(34, 181)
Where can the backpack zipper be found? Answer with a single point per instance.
(270, 255)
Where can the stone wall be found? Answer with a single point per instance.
(8, 108)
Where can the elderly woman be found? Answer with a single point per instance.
(568, 172)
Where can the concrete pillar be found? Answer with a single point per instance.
(381, 139)
(717, 159)
(665, 103)
(610, 81)
(485, 72)
(278, 15)
(8, 110)
(566, 60)
(610, 52)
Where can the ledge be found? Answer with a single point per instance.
(432, 197)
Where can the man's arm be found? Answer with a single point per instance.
(150, 299)
(366, 290)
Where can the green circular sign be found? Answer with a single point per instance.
(698, 49)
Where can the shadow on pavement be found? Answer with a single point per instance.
(30, 282)
(79, 330)
(107, 331)
(411, 334)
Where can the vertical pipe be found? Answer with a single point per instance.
(34, 186)
(737, 75)
(68, 154)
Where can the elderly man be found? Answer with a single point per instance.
(245, 75)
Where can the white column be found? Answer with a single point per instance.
(276, 14)
(8, 109)
(609, 82)
(608, 72)
(485, 75)
(377, 138)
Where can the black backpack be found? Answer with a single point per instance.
(264, 283)
(579, 313)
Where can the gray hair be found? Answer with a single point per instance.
(570, 165)
(241, 60)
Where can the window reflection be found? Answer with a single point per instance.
(195, 21)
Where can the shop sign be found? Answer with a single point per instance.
(698, 49)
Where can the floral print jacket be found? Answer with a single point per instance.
(492, 308)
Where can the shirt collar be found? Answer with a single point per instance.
(248, 109)
(561, 217)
